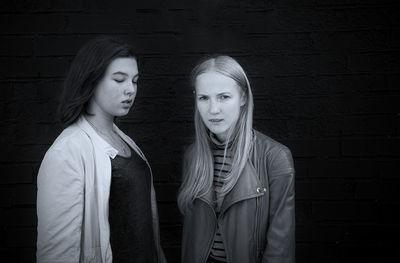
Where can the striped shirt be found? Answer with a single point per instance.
(222, 168)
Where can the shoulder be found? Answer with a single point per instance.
(277, 155)
(268, 145)
(71, 141)
(67, 157)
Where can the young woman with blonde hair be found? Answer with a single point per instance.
(237, 193)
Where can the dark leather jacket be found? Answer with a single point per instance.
(257, 219)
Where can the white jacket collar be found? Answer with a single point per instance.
(99, 142)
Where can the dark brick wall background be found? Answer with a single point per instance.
(325, 77)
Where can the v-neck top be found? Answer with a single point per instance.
(130, 218)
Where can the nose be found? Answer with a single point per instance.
(130, 89)
(214, 107)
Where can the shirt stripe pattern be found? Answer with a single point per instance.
(222, 167)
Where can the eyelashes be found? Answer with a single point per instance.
(123, 80)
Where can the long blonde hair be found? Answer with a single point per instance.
(198, 168)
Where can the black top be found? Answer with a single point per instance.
(130, 218)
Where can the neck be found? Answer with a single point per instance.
(102, 123)
(101, 120)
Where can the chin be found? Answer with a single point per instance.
(217, 131)
(122, 113)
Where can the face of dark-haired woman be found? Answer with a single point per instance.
(115, 93)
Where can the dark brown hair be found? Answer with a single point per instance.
(87, 69)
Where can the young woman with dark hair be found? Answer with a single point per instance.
(96, 200)
(237, 194)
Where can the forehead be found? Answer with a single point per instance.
(126, 65)
(214, 82)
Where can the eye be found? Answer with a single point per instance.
(224, 97)
(135, 81)
(119, 80)
(202, 97)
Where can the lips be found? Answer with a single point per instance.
(216, 121)
(127, 101)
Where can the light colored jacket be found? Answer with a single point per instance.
(72, 200)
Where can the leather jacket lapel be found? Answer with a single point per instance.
(247, 186)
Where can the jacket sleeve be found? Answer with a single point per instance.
(281, 231)
(60, 206)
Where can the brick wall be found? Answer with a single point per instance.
(325, 77)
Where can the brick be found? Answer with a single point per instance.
(169, 214)
(25, 153)
(376, 104)
(9, 254)
(97, 23)
(359, 125)
(336, 253)
(16, 173)
(287, 85)
(301, 168)
(372, 147)
(16, 46)
(280, 42)
(393, 37)
(382, 191)
(167, 192)
(346, 41)
(37, 112)
(6, 197)
(163, 65)
(24, 195)
(389, 169)
(315, 252)
(388, 213)
(38, 133)
(318, 233)
(324, 190)
(21, 217)
(373, 62)
(34, 91)
(393, 81)
(33, 67)
(55, 46)
(27, 254)
(171, 235)
(343, 169)
(345, 211)
(312, 147)
(28, 23)
(42, 6)
(6, 92)
(349, 82)
(21, 237)
(313, 128)
(297, 64)
(377, 16)
(303, 212)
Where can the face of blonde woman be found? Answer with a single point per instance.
(116, 91)
(218, 100)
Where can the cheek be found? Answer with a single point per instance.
(202, 111)
(234, 110)
(200, 108)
